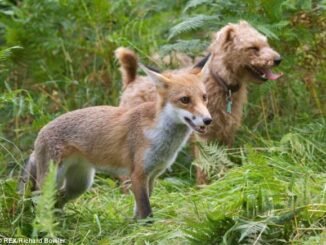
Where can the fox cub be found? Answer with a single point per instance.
(141, 142)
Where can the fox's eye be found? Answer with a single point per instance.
(205, 97)
(185, 99)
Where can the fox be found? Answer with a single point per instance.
(141, 142)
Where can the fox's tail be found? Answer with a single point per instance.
(129, 63)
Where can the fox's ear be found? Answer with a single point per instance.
(205, 69)
(161, 82)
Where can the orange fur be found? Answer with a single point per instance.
(128, 64)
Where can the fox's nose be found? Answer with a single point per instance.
(277, 61)
(207, 121)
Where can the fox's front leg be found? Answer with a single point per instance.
(140, 189)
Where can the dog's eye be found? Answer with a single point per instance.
(205, 97)
(256, 49)
(185, 99)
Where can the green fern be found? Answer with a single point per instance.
(44, 222)
(194, 46)
(195, 3)
(211, 231)
(192, 23)
(251, 231)
(213, 159)
(262, 197)
(6, 53)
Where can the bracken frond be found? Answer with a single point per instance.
(195, 3)
(192, 23)
(44, 221)
(185, 46)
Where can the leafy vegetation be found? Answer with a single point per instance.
(57, 56)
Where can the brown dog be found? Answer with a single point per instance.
(239, 54)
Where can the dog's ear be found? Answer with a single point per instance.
(244, 23)
(225, 35)
(161, 82)
(229, 34)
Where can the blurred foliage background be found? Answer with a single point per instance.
(58, 55)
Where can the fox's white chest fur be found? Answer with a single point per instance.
(166, 140)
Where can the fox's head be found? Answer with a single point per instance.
(184, 95)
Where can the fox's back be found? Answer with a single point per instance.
(83, 131)
(102, 134)
(81, 123)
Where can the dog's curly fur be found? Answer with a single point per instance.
(239, 54)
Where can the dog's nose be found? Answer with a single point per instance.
(207, 121)
(277, 61)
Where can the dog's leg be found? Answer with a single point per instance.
(140, 190)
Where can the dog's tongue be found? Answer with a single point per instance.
(272, 76)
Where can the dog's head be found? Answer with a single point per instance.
(246, 53)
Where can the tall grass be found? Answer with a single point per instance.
(276, 197)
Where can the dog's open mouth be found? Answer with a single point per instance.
(264, 73)
(198, 129)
